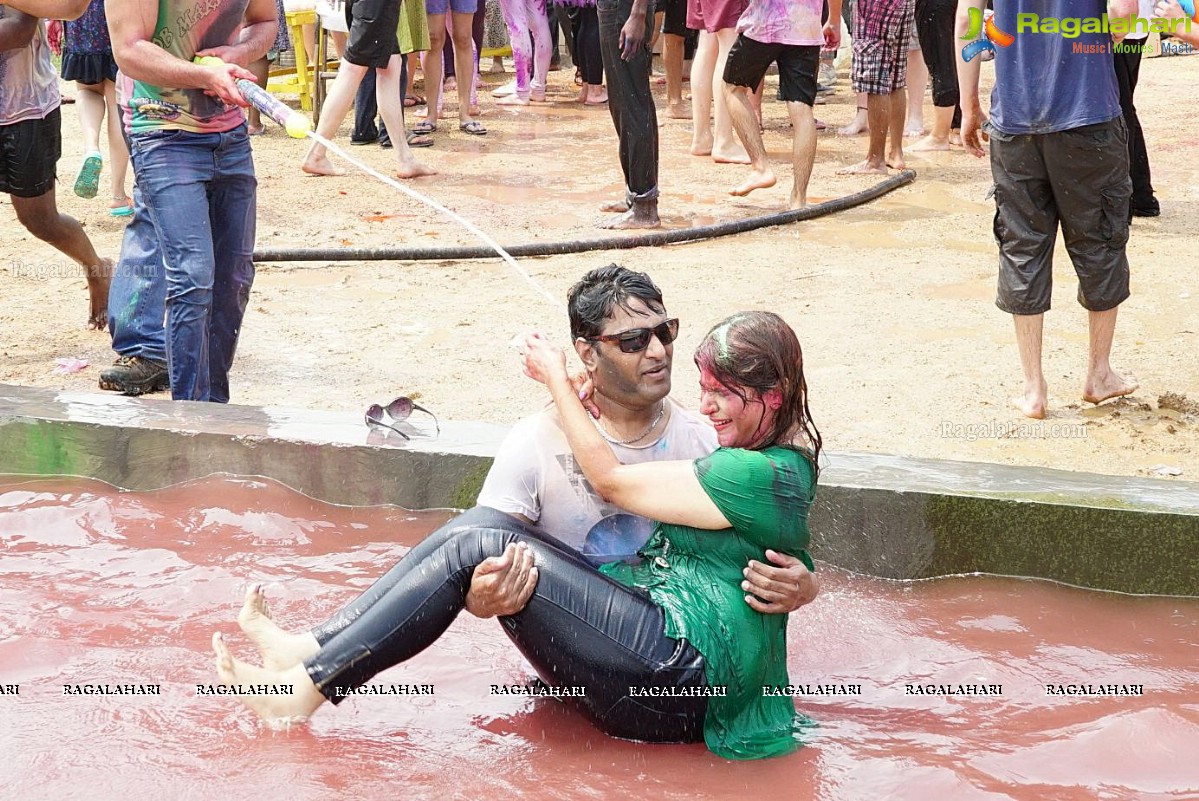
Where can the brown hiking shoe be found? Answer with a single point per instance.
(133, 375)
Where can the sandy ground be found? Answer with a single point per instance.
(906, 352)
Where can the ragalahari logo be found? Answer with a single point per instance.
(979, 44)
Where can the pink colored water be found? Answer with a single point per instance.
(106, 587)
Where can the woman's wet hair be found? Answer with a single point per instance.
(598, 293)
(758, 351)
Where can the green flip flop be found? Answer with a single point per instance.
(87, 183)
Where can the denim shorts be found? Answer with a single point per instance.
(457, 6)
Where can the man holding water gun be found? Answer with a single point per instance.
(194, 172)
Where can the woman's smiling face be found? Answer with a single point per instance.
(739, 422)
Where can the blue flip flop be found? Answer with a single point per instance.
(87, 183)
(121, 211)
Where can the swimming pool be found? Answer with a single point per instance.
(100, 587)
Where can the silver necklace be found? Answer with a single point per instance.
(657, 419)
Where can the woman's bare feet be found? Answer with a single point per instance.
(319, 164)
(278, 697)
(1106, 386)
(279, 649)
(866, 167)
(928, 143)
(679, 111)
(596, 95)
(758, 179)
(733, 154)
(701, 143)
(615, 206)
(411, 168)
(859, 126)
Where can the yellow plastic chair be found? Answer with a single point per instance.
(296, 20)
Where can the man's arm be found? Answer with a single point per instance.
(1187, 31)
(256, 38)
(968, 72)
(832, 28)
(131, 26)
(49, 9)
(16, 29)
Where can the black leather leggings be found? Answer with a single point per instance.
(580, 629)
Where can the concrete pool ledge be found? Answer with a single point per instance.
(888, 516)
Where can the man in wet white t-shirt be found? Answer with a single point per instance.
(625, 341)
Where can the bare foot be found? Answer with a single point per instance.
(758, 179)
(534, 97)
(1107, 386)
(896, 162)
(929, 142)
(858, 127)
(98, 280)
(914, 130)
(734, 155)
(301, 698)
(615, 206)
(413, 169)
(1032, 403)
(955, 137)
(279, 649)
(679, 111)
(701, 143)
(797, 202)
(513, 100)
(864, 168)
(320, 165)
(633, 218)
(597, 96)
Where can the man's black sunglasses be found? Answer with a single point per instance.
(636, 340)
(399, 409)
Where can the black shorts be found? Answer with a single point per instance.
(372, 40)
(29, 153)
(748, 61)
(675, 20)
(1075, 179)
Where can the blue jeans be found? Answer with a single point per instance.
(138, 295)
(200, 194)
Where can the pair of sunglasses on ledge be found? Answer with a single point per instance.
(398, 410)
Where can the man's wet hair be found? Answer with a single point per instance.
(598, 294)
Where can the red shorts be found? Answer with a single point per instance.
(713, 15)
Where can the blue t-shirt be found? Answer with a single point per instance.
(1046, 82)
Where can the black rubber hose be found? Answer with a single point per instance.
(647, 239)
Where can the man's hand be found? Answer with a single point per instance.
(632, 36)
(832, 34)
(502, 585)
(230, 54)
(973, 135)
(223, 84)
(782, 589)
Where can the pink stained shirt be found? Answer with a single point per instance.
(789, 22)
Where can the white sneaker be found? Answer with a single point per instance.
(505, 90)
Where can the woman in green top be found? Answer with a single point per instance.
(665, 650)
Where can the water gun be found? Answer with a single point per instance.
(296, 124)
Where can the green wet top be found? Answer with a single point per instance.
(695, 576)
